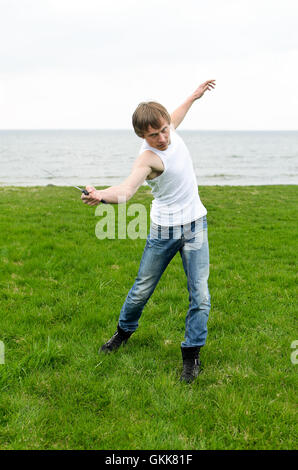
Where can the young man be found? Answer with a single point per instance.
(178, 223)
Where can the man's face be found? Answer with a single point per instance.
(159, 138)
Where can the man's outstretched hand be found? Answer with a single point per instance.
(93, 198)
(208, 85)
(179, 114)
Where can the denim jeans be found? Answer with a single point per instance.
(191, 240)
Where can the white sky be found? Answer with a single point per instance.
(88, 63)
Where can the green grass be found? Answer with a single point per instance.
(61, 293)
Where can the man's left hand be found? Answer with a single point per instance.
(208, 85)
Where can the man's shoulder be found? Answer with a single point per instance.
(151, 159)
(146, 155)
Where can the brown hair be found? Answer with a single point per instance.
(149, 114)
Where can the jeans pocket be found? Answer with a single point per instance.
(194, 238)
(194, 243)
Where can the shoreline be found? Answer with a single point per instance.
(101, 186)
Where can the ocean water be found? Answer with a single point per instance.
(105, 157)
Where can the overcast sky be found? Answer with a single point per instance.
(88, 63)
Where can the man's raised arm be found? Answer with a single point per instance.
(179, 114)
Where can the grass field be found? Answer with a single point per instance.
(61, 293)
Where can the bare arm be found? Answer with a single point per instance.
(179, 114)
(123, 192)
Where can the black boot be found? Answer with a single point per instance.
(119, 337)
(191, 364)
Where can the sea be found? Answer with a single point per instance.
(105, 157)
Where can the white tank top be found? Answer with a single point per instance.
(176, 198)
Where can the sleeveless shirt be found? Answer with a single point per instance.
(176, 198)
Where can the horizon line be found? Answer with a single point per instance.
(129, 129)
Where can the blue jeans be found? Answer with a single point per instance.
(191, 240)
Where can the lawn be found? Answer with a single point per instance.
(61, 293)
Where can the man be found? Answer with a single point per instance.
(178, 223)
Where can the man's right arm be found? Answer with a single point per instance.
(125, 191)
